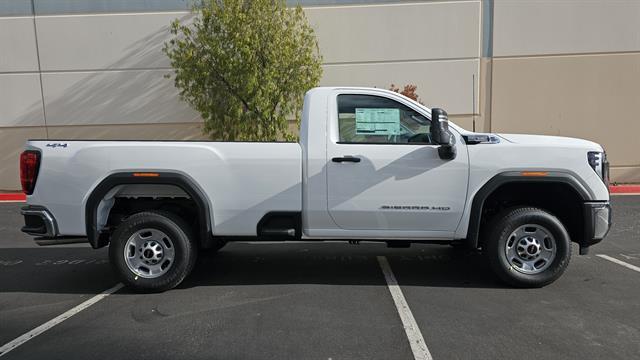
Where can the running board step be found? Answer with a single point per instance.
(279, 232)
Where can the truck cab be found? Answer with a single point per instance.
(379, 173)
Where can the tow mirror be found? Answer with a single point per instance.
(440, 134)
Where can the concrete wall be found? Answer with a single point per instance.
(384, 44)
(93, 76)
(94, 69)
(570, 68)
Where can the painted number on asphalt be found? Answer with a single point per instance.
(72, 262)
(9, 262)
(46, 262)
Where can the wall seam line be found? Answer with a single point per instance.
(83, 71)
(383, 62)
(579, 54)
(35, 36)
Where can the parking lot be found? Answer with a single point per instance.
(322, 301)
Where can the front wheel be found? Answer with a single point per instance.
(152, 251)
(528, 247)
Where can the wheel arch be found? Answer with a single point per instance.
(115, 180)
(502, 180)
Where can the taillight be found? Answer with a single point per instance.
(29, 166)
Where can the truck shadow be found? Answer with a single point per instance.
(341, 264)
(82, 270)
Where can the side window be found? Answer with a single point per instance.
(378, 120)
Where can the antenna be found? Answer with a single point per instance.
(473, 100)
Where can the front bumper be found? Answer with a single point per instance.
(597, 223)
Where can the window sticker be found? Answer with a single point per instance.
(377, 121)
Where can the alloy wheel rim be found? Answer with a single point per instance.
(149, 253)
(530, 249)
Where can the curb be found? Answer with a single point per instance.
(624, 189)
(13, 197)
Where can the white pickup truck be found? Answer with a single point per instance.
(371, 165)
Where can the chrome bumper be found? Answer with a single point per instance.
(39, 222)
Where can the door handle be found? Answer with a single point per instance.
(346, 158)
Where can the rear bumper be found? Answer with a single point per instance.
(38, 221)
(597, 223)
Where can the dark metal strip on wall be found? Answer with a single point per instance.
(15, 8)
(58, 7)
(487, 28)
(54, 7)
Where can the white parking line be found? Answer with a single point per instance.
(418, 346)
(6, 348)
(619, 262)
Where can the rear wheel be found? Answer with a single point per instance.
(528, 247)
(152, 251)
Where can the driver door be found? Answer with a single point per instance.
(383, 173)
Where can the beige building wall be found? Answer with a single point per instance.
(74, 74)
(567, 67)
(570, 68)
(433, 45)
(94, 76)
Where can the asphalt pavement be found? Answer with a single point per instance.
(322, 301)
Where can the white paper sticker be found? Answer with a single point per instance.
(377, 121)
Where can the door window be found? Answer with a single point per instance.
(370, 119)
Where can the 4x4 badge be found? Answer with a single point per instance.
(55, 145)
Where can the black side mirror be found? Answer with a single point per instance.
(440, 134)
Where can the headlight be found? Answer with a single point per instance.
(598, 162)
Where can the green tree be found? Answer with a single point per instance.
(245, 65)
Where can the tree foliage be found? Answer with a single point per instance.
(408, 91)
(245, 65)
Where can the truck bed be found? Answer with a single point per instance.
(242, 181)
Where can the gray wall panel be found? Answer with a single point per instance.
(565, 27)
(122, 41)
(17, 45)
(113, 97)
(394, 32)
(20, 100)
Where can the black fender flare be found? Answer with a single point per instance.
(473, 232)
(97, 240)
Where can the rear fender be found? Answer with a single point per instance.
(110, 184)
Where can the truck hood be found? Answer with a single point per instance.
(547, 141)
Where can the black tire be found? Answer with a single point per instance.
(184, 247)
(498, 233)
